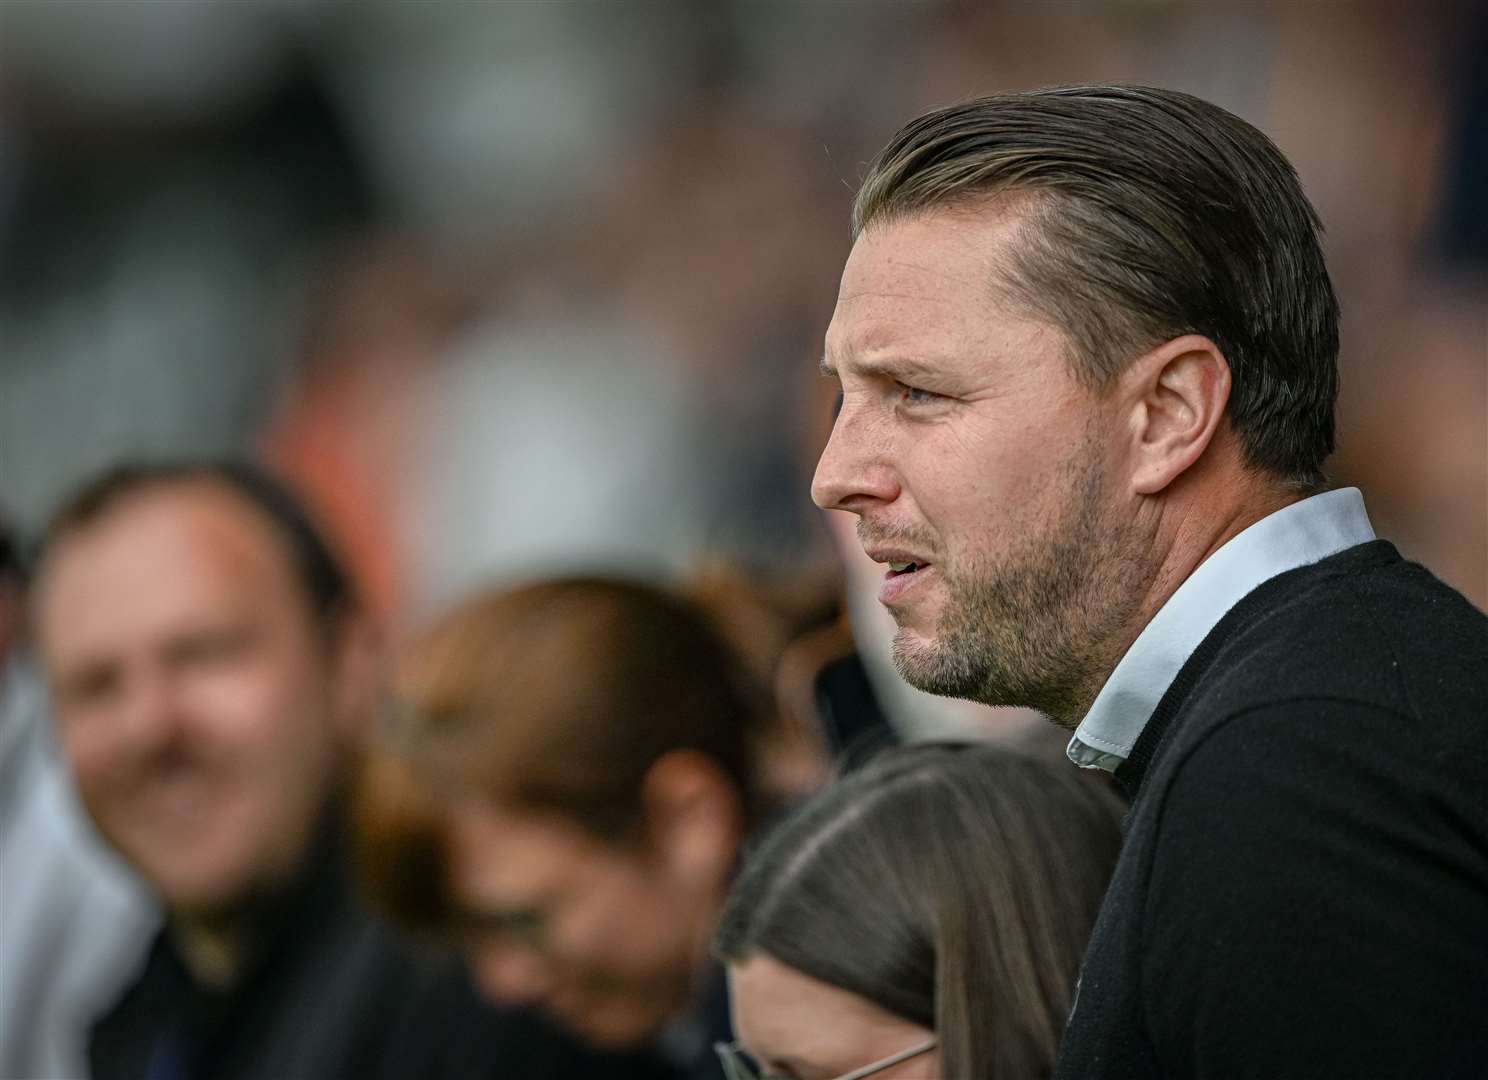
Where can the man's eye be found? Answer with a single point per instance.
(91, 687)
(913, 395)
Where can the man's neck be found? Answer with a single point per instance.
(1189, 529)
(1198, 531)
(216, 943)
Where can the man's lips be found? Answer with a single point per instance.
(906, 570)
(895, 556)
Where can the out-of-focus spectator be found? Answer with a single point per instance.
(212, 676)
(568, 796)
(930, 908)
(71, 920)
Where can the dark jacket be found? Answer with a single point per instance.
(328, 992)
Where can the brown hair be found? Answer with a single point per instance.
(1149, 214)
(557, 696)
(953, 885)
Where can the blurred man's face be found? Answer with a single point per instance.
(196, 698)
(976, 464)
(599, 936)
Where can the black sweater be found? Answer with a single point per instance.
(1303, 890)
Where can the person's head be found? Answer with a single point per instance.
(944, 892)
(206, 672)
(1074, 322)
(575, 779)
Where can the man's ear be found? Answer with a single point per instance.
(1175, 398)
(694, 819)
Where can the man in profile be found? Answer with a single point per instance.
(211, 676)
(1087, 347)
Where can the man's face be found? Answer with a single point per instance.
(979, 467)
(596, 934)
(196, 698)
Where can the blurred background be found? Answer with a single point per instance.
(520, 287)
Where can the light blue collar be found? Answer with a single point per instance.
(1296, 535)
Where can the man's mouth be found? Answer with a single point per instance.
(181, 799)
(902, 575)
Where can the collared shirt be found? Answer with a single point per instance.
(1293, 536)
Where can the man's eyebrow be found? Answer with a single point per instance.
(891, 367)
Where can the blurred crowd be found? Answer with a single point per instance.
(523, 302)
(441, 260)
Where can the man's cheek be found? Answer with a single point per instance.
(92, 755)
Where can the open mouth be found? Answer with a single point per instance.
(902, 576)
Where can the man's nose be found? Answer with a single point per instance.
(510, 974)
(854, 470)
(152, 712)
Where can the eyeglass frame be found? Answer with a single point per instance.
(737, 1068)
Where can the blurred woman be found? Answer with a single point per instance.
(924, 917)
(566, 796)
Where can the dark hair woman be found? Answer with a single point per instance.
(924, 917)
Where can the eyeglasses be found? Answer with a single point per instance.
(739, 1065)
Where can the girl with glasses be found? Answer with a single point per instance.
(923, 918)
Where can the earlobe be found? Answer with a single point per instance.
(1178, 394)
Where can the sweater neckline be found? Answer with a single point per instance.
(1254, 605)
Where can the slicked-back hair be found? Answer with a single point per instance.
(1147, 214)
(952, 885)
(327, 587)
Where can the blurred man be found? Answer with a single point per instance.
(211, 675)
(1087, 348)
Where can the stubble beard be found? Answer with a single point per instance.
(1042, 624)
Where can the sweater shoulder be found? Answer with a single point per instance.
(1367, 627)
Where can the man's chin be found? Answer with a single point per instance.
(922, 662)
(188, 887)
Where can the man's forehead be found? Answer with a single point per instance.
(898, 329)
(154, 552)
(500, 856)
(197, 517)
(937, 274)
(963, 245)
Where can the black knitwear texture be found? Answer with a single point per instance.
(1303, 889)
